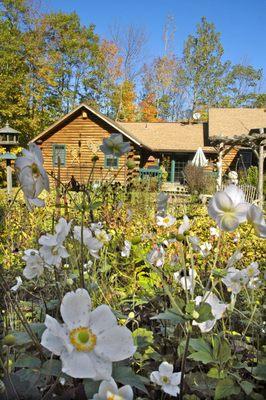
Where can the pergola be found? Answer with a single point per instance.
(255, 140)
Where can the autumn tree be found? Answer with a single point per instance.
(148, 110)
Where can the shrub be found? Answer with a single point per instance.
(199, 180)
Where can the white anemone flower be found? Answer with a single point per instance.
(184, 226)
(256, 218)
(88, 342)
(34, 264)
(217, 308)
(205, 249)
(102, 236)
(195, 242)
(16, 287)
(156, 256)
(52, 250)
(167, 379)
(31, 175)
(62, 229)
(229, 208)
(126, 249)
(166, 221)
(108, 390)
(93, 244)
(214, 232)
(96, 226)
(235, 280)
(252, 270)
(115, 146)
(187, 281)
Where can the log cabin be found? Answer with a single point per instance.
(74, 141)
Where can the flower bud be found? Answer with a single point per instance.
(131, 164)
(9, 340)
(136, 240)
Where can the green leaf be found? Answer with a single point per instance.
(126, 376)
(202, 356)
(22, 338)
(38, 328)
(225, 388)
(247, 386)
(259, 372)
(200, 345)
(91, 387)
(51, 368)
(170, 315)
(205, 312)
(216, 374)
(28, 361)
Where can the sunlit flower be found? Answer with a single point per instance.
(195, 242)
(187, 281)
(184, 226)
(93, 244)
(228, 208)
(252, 270)
(214, 232)
(108, 390)
(62, 229)
(114, 145)
(167, 379)
(256, 218)
(32, 176)
(52, 250)
(96, 226)
(235, 279)
(88, 341)
(102, 235)
(34, 264)
(126, 249)
(254, 283)
(166, 221)
(17, 285)
(205, 249)
(217, 308)
(156, 256)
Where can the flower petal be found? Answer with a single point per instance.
(75, 308)
(170, 389)
(115, 344)
(176, 378)
(126, 392)
(105, 386)
(53, 343)
(155, 377)
(78, 364)
(102, 319)
(166, 369)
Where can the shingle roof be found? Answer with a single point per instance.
(169, 136)
(235, 121)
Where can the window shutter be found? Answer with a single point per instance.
(59, 151)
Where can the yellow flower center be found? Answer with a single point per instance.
(250, 272)
(83, 339)
(111, 396)
(166, 220)
(165, 379)
(35, 170)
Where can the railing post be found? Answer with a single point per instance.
(172, 176)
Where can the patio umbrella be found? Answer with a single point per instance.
(199, 159)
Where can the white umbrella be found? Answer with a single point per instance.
(199, 159)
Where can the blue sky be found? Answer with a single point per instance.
(241, 22)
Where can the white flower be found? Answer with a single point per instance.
(252, 270)
(166, 221)
(62, 381)
(88, 341)
(93, 244)
(62, 229)
(167, 379)
(52, 250)
(217, 308)
(156, 256)
(237, 237)
(214, 232)
(195, 242)
(88, 265)
(108, 390)
(17, 285)
(235, 257)
(184, 226)
(96, 226)
(187, 282)
(235, 279)
(32, 176)
(114, 145)
(126, 249)
(256, 218)
(205, 249)
(34, 264)
(254, 283)
(102, 235)
(228, 208)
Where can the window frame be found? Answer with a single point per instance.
(55, 163)
(108, 157)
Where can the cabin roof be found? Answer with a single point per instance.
(235, 121)
(103, 117)
(170, 136)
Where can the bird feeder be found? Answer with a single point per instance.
(8, 139)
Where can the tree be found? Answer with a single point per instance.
(260, 101)
(203, 66)
(148, 110)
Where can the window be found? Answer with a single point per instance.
(59, 151)
(111, 161)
